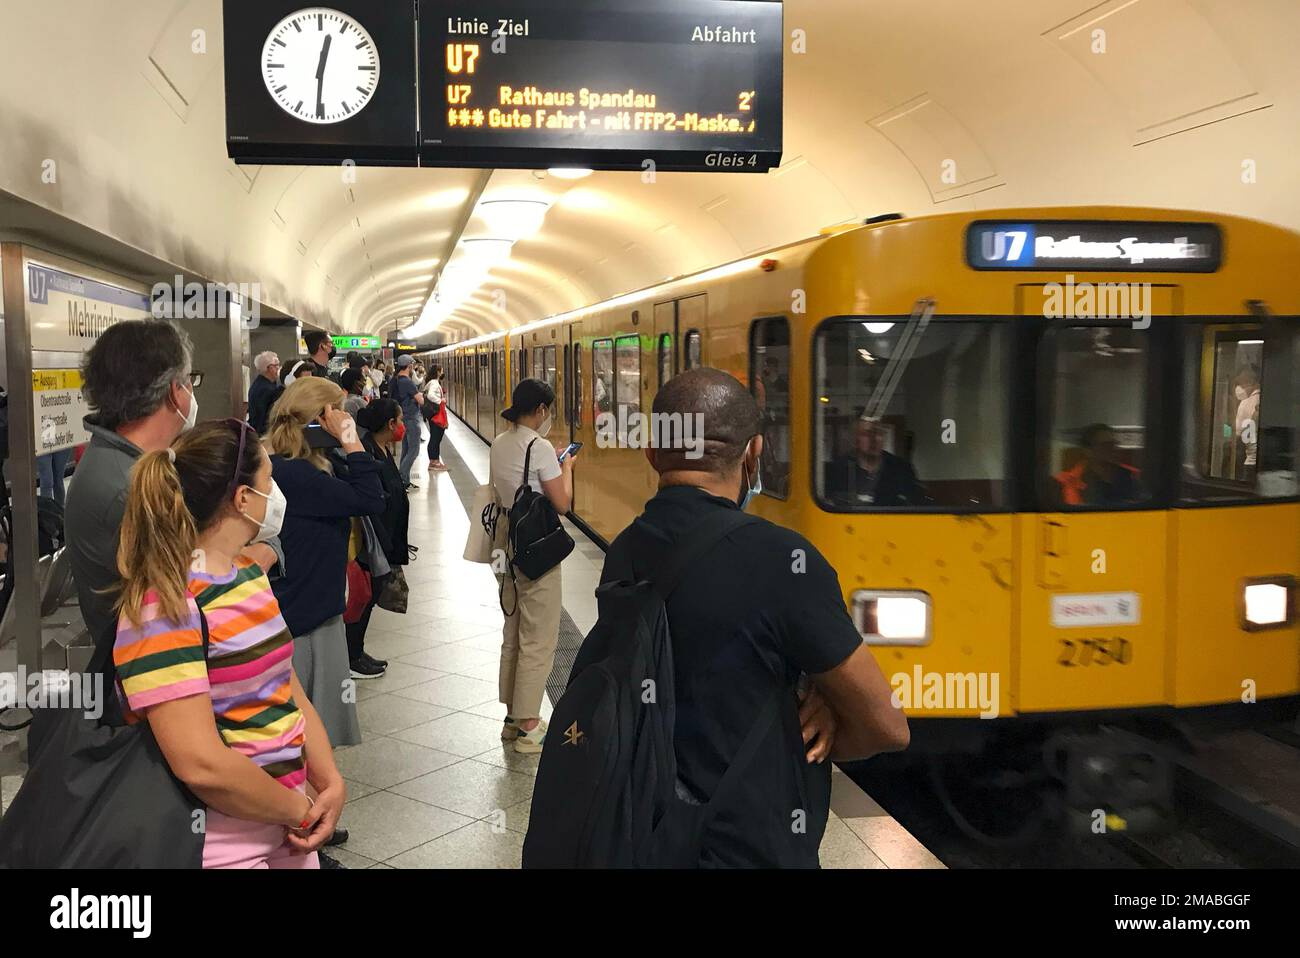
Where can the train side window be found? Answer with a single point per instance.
(665, 359)
(693, 347)
(627, 389)
(577, 386)
(769, 380)
(1242, 413)
(906, 418)
(1096, 431)
(537, 369)
(602, 376)
(550, 373)
(568, 388)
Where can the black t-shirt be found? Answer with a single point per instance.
(761, 609)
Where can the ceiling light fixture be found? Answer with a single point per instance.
(514, 219)
(569, 172)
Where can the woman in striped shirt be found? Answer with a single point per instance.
(235, 727)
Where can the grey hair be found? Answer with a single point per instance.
(130, 371)
(265, 361)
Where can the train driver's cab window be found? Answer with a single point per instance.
(1096, 431)
(1242, 413)
(602, 375)
(911, 417)
(694, 349)
(769, 377)
(628, 391)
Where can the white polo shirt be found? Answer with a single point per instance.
(507, 463)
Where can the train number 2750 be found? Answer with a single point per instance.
(1076, 652)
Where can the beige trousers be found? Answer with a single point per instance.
(529, 637)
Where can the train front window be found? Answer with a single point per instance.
(769, 380)
(1096, 430)
(911, 418)
(1241, 414)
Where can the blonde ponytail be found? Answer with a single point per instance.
(158, 538)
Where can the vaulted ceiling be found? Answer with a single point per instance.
(113, 114)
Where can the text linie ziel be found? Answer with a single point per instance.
(723, 35)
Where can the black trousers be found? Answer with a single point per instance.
(356, 631)
(436, 433)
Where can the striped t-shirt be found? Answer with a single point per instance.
(248, 672)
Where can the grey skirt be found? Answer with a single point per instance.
(320, 658)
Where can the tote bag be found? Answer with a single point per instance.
(483, 514)
(99, 793)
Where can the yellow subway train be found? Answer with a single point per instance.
(1050, 452)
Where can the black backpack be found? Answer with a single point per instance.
(607, 792)
(538, 542)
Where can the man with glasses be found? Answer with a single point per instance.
(139, 384)
(262, 394)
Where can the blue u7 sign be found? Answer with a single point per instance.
(1099, 245)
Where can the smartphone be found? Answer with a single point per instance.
(318, 438)
(571, 451)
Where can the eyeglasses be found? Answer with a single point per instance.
(196, 380)
(244, 429)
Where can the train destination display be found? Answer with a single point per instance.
(605, 84)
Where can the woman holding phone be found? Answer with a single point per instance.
(532, 628)
(236, 727)
(328, 478)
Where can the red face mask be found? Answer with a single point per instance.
(399, 432)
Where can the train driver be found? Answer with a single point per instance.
(871, 475)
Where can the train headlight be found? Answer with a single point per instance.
(892, 618)
(1268, 603)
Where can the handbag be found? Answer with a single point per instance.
(359, 593)
(396, 593)
(538, 540)
(484, 511)
(99, 793)
(440, 420)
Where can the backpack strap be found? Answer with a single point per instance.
(709, 533)
(734, 775)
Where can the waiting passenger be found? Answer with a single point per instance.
(324, 492)
(1100, 478)
(353, 382)
(264, 391)
(237, 729)
(379, 426)
(871, 475)
(406, 394)
(299, 369)
(139, 385)
(764, 610)
(435, 409)
(1246, 388)
(532, 627)
(320, 350)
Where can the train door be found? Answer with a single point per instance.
(1095, 558)
(580, 418)
(486, 427)
(665, 344)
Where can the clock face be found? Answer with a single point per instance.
(321, 66)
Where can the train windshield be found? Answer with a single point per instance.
(911, 416)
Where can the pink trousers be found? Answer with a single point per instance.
(232, 843)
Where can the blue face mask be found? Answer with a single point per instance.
(751, 490)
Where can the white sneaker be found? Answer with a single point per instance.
(530, 743)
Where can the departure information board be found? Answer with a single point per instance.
(604, 84)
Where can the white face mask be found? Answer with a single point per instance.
(192, 418)
(276, 505)
(544, 429)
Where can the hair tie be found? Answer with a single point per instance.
(171, 455)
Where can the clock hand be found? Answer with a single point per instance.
(320, 74)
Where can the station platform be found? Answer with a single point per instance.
(432, 786)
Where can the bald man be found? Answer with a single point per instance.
(762, 617)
